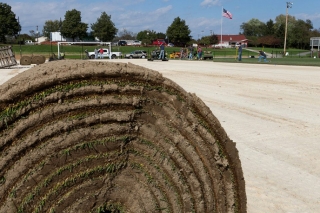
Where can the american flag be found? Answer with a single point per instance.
(227, 14)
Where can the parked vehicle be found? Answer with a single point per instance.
(106, 54)
(207, 55)
(136, 54)
(122, 43)
(159, 42)
(170, 45)
(136, 43)
(155, 56)
(29, 42)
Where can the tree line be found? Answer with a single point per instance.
(269, 34)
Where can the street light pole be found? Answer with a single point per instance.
(289, 5)
(19, 36)
(149, 54)
(37, 34)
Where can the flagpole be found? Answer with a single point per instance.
(221, 26)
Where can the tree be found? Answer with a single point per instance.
(72, 27)
(9, 25)
(209, 40)
(104, 29)
(269, 41)
(179, 32)
(280, 27)
(253, 27)
(23, 37)
(51, 26)
(301, 34)
(126, 35)
(34, 35)
(309, 24)
(147, 36)
(204, 41)
(213, 39)
(161, 35)
(89, 37)
(315, 33)
(281, 20)
(269, 28)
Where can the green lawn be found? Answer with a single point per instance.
(296, 57)
(274, 61)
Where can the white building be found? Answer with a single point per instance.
(41, 39)
(56, 36)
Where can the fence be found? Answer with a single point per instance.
(229, 53)
(254, 54)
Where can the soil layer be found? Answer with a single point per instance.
(111, 137)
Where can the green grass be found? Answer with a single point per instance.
(296, 56)
(274, 61)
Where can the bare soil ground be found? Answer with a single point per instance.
(81, 136)
(272, 113)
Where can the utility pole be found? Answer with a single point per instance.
(19, 37)
(37, 34)
(289, 5)
(60, 25)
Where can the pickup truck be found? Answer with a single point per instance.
(106, 54)
(158, 42)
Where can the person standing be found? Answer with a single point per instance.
(199, 53)
(96, 53)
(87, 54)
(240, 52)
(101, 53)
(181, 53)
(161, 55)
(190, 53)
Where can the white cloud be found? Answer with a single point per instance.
(210, 2)
(206, 25)
(314, 18)
(145, 16)
(311, 17)
(204, 22)
(162, 11)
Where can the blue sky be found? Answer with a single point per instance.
(202, 16)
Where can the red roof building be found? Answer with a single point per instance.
(231, 40)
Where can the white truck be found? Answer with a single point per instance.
(106, 54)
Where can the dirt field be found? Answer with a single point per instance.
(272, 113)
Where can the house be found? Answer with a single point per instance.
(231, 41)
(41, 39)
